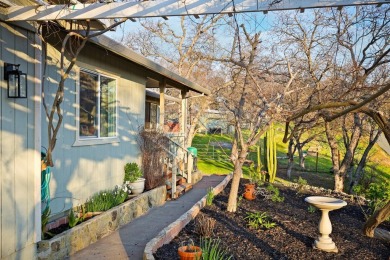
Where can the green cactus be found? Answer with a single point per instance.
(270, 153)
(255, 172)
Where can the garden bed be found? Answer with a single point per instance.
(292, 237)
(88, 232)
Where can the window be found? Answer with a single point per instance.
(152, 114)
(98, 109)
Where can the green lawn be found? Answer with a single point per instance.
(214, 158)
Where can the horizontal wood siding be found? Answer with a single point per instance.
(17, 149)
(81, 171)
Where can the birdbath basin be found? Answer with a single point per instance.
(325, 204)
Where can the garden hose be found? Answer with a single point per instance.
(45, 188)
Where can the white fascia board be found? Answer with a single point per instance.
(167, 8)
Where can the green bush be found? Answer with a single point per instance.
(258, 220)
(377, 194)
(275, 193)
(301, 183)
(132, 172)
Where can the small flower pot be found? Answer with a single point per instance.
(189, 252)
(249, 193)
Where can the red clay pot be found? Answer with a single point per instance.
(249, 193)
(189, 252)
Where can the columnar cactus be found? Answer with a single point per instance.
(270, 156)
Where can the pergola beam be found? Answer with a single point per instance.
(167, 8)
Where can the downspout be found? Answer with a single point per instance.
(37, 135)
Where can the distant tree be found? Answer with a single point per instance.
(362, 55)
(186, 49)
(253, 97)
(341, 53)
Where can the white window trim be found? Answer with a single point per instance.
(94, 140)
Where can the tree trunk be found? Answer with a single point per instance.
(232, 202)
(340, 170)
(191, 134)
(290, 156)
(334, 154)
(378, 217)
(301, 156)
(362, 162)
(338, 181)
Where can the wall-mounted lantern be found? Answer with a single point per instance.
(16, 81)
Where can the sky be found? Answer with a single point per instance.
(255, 21)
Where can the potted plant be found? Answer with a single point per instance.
(134, 178)
(250, 188)
(189, 251)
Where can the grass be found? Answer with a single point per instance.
(214, 159)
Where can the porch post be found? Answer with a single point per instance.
(183, 129)
(162, 86)
(37, 138)
(183, 121)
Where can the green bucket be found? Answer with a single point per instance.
(193, 151)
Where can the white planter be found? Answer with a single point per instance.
(138, 186)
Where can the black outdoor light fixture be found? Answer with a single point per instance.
(16, 81)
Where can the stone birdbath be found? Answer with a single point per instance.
(325, 204)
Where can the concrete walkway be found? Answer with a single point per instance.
(129, 241)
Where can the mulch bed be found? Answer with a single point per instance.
(294, 234)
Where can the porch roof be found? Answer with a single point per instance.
(156, 73)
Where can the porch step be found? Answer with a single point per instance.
(181, 187)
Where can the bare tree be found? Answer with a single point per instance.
(186, 49)
(253, 96)
(362, 50)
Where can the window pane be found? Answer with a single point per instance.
(107, 107)
(153, 114)
(88, 104)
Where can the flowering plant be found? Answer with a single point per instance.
(106, 199)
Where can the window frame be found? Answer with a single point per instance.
(95, 140)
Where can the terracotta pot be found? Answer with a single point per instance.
(189, 252)
(249, 193)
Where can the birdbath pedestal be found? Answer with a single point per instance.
(325, 204)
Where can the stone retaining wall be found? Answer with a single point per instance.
(88, 232)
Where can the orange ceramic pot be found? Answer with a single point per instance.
(249, 193)
(189, 252)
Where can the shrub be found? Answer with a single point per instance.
(275, 193)
(258, 220)
(377, 194)
(301, 183)
(211, 250)
(132, 172)
(204, 225)
(210, 196)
